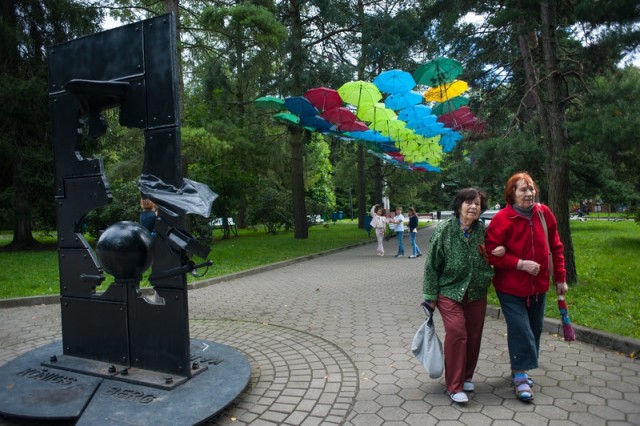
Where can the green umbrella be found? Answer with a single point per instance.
(359, 93)
(287, 117)
(437, 72)
(450, 105)
(376, 112)
(270, 102)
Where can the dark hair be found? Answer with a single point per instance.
(468, 194)
(512, 185)
(411, 210)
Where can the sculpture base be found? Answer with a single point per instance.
(38, 386)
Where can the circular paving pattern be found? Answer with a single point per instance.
(296, 378)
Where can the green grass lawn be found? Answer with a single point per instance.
(607, 254)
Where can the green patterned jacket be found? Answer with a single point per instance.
(454, 265)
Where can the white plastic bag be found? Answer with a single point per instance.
(427, 347)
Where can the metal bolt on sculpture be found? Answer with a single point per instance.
(124, 358)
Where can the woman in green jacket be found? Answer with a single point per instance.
(456, 279)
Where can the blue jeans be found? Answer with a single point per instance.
(399, 235)
(524, 317)
(415, 250)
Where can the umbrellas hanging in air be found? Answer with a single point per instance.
(370, 136)
(450, 105)
(567, 329)
(354, 126)
(359, 93)
(339, 115)
(386, 127)
(437, 72)
(460, 119)
(446, 91)
(323, 98)
(270, 103)
(401, 100)
(448, 141)
(393, 81)
(300, 106)
(375, 112)
(317, 123)
(415, 112)
(287, 117)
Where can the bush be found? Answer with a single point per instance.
(273, 209)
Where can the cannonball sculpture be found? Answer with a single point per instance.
(124, 250)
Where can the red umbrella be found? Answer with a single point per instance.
(339, 115)
(355, 126)
(460, 119)
(323, 98)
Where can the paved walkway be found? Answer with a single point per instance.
(329, 343)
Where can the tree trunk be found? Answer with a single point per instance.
(22, 231)
(557, 141)
(362, 208)
(297, 134)
(378, 182)
(301, 230)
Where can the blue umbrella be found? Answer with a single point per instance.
(369, 135)
(449, 141)
(318, 123)
(430, 129)
(393, 81)
(401, 100)
(415, 112)
(300, 106)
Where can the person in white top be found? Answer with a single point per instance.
(398, 227)
(379, 223)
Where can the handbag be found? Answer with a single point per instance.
(427, 347)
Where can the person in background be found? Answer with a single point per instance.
(398, 228)
(379, 223)
(413, 231)
(528, 231)
(457, 276)
(148, 214)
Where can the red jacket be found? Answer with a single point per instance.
(524, 239)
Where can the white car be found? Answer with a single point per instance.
(487, 215)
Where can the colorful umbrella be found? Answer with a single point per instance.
(567, 329)
(270, 102)
(370, 136)
(323, 98)
(375, 112)
(461, 119)
(339, 115)
(300, 106)
(354, 126)
(393, 81)
(317, 123)
(437, 72)
(401, 100)
(359, 93)
(386, 127)
(450, 105)
(287, 118)
(446, 91)
(449, 141)
(415, 112)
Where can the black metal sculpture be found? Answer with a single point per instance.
(121, 335)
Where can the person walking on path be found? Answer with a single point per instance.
(457, 276)
(528, 231)
(398, 228)
(413, 231)
(379, 223)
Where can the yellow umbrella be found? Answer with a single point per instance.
(446, 91)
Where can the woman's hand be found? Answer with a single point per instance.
(529, 266)
(499, 251)
(562, 289)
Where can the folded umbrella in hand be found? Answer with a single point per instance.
(567, 329)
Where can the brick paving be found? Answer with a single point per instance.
(329, 340)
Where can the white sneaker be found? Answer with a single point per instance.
(459, 397)
(468, 387)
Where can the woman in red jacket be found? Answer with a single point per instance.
(521, 276)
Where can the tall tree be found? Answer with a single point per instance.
(27, 27)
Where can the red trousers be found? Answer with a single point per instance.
(463, 325)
